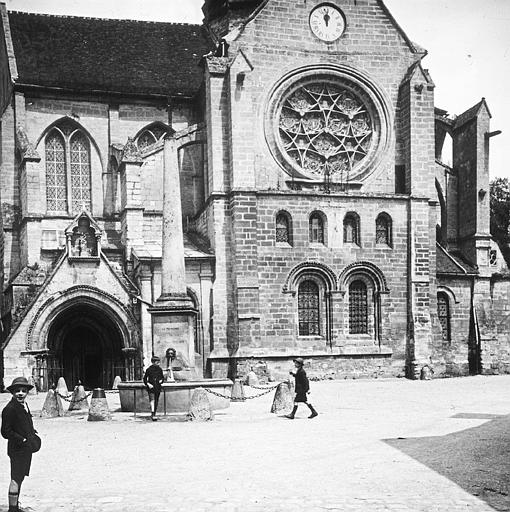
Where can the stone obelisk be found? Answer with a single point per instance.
(173, 313)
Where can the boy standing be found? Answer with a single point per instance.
(153, 379)
(302, 388)
(18, 429)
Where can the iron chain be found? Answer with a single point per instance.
(263, 387)
(265, 392)
(70, 400)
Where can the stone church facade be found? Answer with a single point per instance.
(320, 215)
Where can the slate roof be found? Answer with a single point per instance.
(452, 263)
(194, 248)
(106, 55)
(471, 113)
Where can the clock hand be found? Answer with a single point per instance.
(327, 17)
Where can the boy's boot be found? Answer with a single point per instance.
(292, 414)
(314, 412)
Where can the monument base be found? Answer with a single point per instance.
(175, 397)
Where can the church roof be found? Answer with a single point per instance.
(106, 55)
(450, 263)
(194, 248)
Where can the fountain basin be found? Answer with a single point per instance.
(175, 397)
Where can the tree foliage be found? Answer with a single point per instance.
(500, 210)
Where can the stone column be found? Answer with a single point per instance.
(173, 313)
(145, 280)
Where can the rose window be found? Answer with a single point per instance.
(325, 130)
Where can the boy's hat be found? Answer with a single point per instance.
(155, 359)
(299, 360)
(19, 382)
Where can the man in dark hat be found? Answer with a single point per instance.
(18, 429)
(153, 379)
(302, 388)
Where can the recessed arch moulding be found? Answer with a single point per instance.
(108, 308)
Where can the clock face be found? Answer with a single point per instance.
(327, 22)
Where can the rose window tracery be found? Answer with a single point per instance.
(325, 129)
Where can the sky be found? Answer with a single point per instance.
(468, 44)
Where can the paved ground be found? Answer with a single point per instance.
(376, 446)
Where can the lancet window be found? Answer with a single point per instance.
(443, 313)
(68, 178)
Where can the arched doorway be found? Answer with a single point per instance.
(86, 345)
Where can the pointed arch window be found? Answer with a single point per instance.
(56, 180)
(80, 172)
(150, 135)
(309, 308)
(358, 308)
(68, 170)
(383, 230)
(443, 313)
(351, 229)
(316, 228)
(283, 228)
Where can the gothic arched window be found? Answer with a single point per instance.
(56, 180)
(68, 170)
(351, 229)
(383, 229)
(358, 308)
(443, 313)
(283, 228)
(151, 135)
(316, 228)
(80, 172)
(309, 308)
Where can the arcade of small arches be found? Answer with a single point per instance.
(359, 287)
(317, 224)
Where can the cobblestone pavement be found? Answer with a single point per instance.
(248, 459)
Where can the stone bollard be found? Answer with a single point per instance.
(62, 387)
(31, 381)
(79, 401)
(283, 398)
(98, 410)
(252, 379)
(200, 408)
(237, 393)
(116, 381)
(53, 406)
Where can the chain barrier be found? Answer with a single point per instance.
(265, 389)
(70, 400)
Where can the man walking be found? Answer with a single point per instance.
(18, 429)
(153, 379)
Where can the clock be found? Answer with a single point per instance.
(327, 22)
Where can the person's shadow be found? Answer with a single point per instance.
(477, 459)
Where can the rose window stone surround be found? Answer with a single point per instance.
(328, 126)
